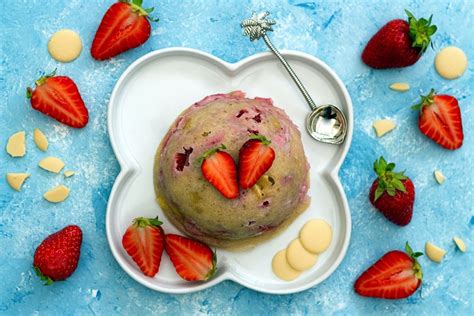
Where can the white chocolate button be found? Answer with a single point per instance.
(451, 62)
(40, 139)
(298, 257)
(52, 164)
(460, 244)
(57, 194)
(433, 252)
(16, 180)
(16, 145)
(382, 127)
(439, 176)
(400, 86)
(316, 236)
(65, 45)
(69, 173)
(282, 269)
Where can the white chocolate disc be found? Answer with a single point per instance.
(451, 62)
(65, 46)
(281, 268)
(316, 236)
(298, 257)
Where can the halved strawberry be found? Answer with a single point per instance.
(59, 98)
(440, 119)
(124, 26)
(255, 158)
(144, 242)
(218, 167)
(396, 275)
(193, 260)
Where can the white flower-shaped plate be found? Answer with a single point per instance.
(148, 97)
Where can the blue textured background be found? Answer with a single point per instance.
(334, 31)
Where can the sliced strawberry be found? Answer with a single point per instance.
(218, 167)
(124, 26)
(255, 158)
(193, 260)
(440, 119)
(396, 275)
(59, 98)
(144, 242)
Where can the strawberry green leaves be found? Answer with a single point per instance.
(389, 181)
(414, 256)
(420, 31)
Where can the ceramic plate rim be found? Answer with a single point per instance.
(129, 166)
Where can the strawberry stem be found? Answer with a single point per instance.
(39, 82)
(209, 153)
(144, 222)
(214, 266)
(426, 100)
(261, 138)
(388, 180)
(416, 264)
(46, 279)
(43, 78)
(420, 31)
(137, 8)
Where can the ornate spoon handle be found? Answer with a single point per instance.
(256, 27)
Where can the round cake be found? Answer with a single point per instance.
(195, 206)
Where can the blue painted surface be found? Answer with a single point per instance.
(334, 31)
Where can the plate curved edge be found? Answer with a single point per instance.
(129, 167)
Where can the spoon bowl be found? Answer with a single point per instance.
(327, 124)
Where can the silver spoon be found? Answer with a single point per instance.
(325, 123)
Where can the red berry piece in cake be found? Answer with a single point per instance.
(182, 159)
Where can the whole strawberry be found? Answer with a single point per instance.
(57, 256)
(399, 43)
(440, 119)
(392, 193)
(394, 276)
